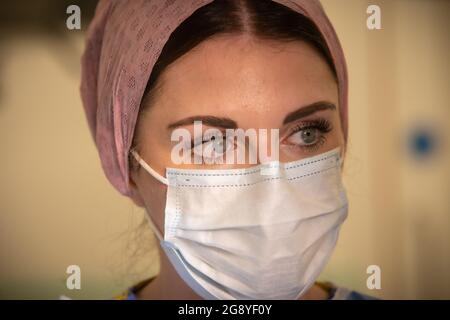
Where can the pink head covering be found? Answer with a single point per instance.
(124, 41)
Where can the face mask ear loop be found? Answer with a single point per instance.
(153, 227)
(152, 172)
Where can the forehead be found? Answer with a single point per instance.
(234, 74)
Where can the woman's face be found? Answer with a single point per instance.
(239, 82)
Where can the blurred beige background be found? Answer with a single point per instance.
(57, 208)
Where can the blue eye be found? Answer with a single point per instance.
(217, 147)
(213, 149)
(305, 136)
(310, 134)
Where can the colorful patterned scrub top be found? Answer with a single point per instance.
(334, 292)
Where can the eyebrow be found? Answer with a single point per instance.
(227, 123)
(211, 121)
(308, 110)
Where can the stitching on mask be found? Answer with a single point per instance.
(178, 216)
(251, 184)
(244, 173)
(303, 164)
(175, 221)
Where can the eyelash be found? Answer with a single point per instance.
(195, 143)
(322, 125)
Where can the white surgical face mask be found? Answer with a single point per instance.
(264, 232)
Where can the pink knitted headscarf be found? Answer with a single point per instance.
(123, 43)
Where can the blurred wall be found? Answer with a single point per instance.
(398, 169)
(57, 208)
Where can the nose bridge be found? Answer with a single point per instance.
(258, 145)
(267, 145)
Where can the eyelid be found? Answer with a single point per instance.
(292, 128)
(203, 139)
(302, 124)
